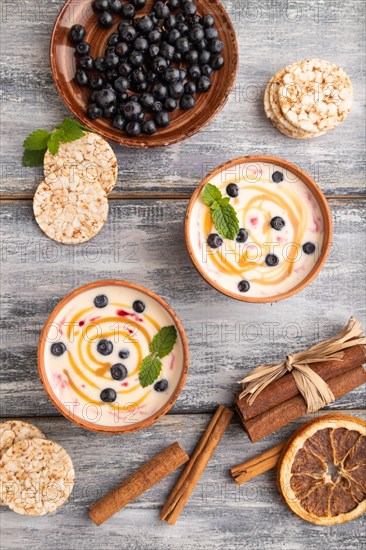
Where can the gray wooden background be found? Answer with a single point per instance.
(143, 242)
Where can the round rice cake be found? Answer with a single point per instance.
(36, 476)
(315, 95)
(70, 211)
(13, 431)
(91, 156)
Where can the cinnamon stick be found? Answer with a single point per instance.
(196, 465)
(148, 475)
(285, 388)
(258, 464)
(278, 416)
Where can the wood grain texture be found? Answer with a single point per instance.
(270, 35)
(143, 242)
(219, 514)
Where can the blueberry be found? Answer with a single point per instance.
(154, 50)
(144, 25)
(147, 100)
(111, 76)
(211, 33)
(124, 69)
(105, 98)
(161, 10)
(242, 235)
(162, 119)
(190, 88)
(196, 34)
(115, 6)
(173, 4)
(109, 49)
(110, 112)
(94, 111)
(182, 27)
(131, 110)
(148, 127)
(161, 385)
(81, 77)
(171, 75)
(170, 22)
(208, 20)
(176, 90)
(206, 70)
(173, 36)
(108, 395)
(58, 349)
(277, 177)
(83, 48)
(140, 43)
(160, 91)
(170, 104)
(216, 62)
(308, 248)
(118, 371)
(277, 223)
(77, 34)
(96, 82)
(216, 46)
(138, 76)
(105, 347)
(133, 128)
(182, 74)
(203, 84)
(136, 58)
(111, 60)
(128, 11)
(204, 57)
(182, 44)
(271, 260)
(157, 107)
(124, 353)
(121, 84)
(214, 240)
(154, 36)
(191, 56)
(139, 4)
(101, 5)
(127, 33)
(243, 286)
(119, 122)
(122, 48)
(187, 102)
(166, 51)
(138, 306)
(106, 19)
(101, 300)
(86, 62)
(232, 190)
(194, 72)
(202, 45)
(189, 8)
(159, 64)
(99, 64)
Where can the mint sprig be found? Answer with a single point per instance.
(222, 212)
(37, 143)
(160, 346)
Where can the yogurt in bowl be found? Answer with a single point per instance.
(283, 233)
(91, 352)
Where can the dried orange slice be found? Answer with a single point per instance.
(322, 470)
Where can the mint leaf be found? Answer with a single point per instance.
(163, 342)
(36, 141)
(33, 158)
(71, 129)
(57, 136)
(150, 370)
(225, 220)
(211, 193)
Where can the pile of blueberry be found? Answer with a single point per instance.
(152, 65)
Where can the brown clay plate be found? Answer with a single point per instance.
(183, 123)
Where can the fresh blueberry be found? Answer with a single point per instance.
(157, 106)
(232, 190)
(214, 240)
(243, 286)
(58, 349)
(173, 36)
(83, 48)
(203, 84)
(119, 122)
(176, 90)
(182, 44)
(106, 19)
(160, 91)
(161, 10)
(191, 57)
(189, 8)
(141, 44)
(105, 98)
(138, 306)
(94, 111)
(171, 75)
(216, 62)
(111, 60)
(99, 64)
(162, 119)
(121, 84)
(277, 177)
(124, 353)
(128, 11)
(118, 371)
(108, 395)
(148, 127)
(216, 46)
(139, 4)
(101, 5)
(211, 33)
(159, 64)
(204, 57)
(127, 33)
(144, 25)
(86, 62)
(161, 385)
(206, 70)
(147, 100)
(190, 88)
(154, 50)
(101, 300)
(277, 223)
(271, 260)
(122, 48)
(136, 58)
(124, 69)
(132, 110)
(96, 82)
(196, 33)
(81, 77)
(133, 128)
(154, 36)
(105, 347)
(110, 112)
(187, 101)
(115, 6)
(208, 20)
(308, 248)
(77, 34)
(170, 104)
(242, 235)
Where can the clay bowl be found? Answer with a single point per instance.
(320, 198)
(90, 425)
(183, 123)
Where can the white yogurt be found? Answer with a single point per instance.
(259, 200)
(81, 372)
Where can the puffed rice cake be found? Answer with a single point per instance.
(70, 212)
(90, 156)
(36, 476)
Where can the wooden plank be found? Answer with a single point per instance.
(270, 35)
(143, 242)
(219, 515)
